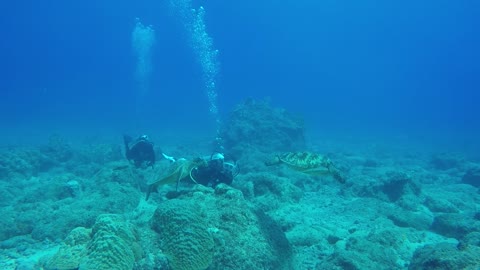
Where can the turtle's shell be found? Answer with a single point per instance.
(304, 161)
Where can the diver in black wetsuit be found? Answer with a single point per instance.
(140, 151)
(215, 171)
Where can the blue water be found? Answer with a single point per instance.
(369, 67)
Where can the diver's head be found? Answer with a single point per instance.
(216, 160)
(226, 166)
(141, 151)
(217, 156)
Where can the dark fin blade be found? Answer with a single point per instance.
(169, 179)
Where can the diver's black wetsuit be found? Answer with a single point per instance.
(141, 151)
(213, 174)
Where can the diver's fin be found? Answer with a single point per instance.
(178, 182)
(150, 189)
(169, 179)
(126, 140)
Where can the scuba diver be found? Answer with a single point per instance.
(208, 171)
(214, 171)
(139, 151)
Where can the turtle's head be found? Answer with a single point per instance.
(274, 161)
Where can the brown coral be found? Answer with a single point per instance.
(72, 251)
(110, 244)
(218, 229)
(185, 237)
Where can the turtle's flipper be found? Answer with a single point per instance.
(334, 172)
(337, 175)
(315, 171)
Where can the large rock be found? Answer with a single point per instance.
(395, 186)
(255, 125)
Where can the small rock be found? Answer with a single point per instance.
(398, 184)
(23, 264)
(472, 177)
(417, 220)
(445, 256)
(444, 162)
(440, 205)
(333, 239)
(454, 225)
(73, 188)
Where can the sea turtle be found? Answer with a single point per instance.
(178, 170)
(307, 162)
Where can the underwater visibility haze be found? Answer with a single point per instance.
(347, 67)
(347, 134)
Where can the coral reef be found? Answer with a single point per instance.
(113, 246)
(110, 244)
(58, 149)
(71, 251)
(50, 205)
(398, 209)
(23, 162)
(185, 235)
(201, 229)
